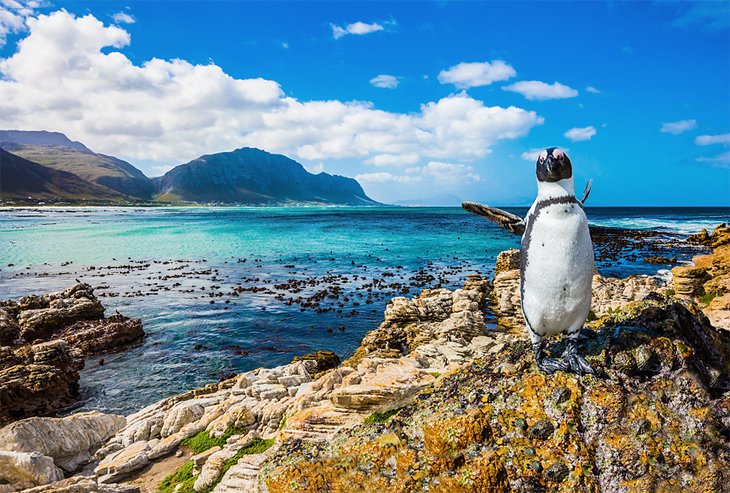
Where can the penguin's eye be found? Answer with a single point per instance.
(541, 159)
(561, 158)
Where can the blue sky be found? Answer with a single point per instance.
(441, 101)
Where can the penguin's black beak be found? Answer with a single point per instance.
(550, 164)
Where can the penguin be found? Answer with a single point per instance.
(556, 260)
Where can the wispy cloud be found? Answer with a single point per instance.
(123, 18)
(579, 134)
(357, 28)
(439, 174)
(592, 90)
(707, 15)
(393, 159)
(385, 177)
(475, 74)
(721, 160)
(537, 90)
(706, 140)
(678, 127)
(385, 81)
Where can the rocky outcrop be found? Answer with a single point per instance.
(69, 442)
(707, 282)
(689, 280)
(324, 360)
(42, 343)
(435, 314)
(37, 379)
(655, 419)
(609, 294)
(40, 316)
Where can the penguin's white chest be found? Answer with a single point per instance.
(557, 269)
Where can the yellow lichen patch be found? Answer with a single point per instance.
(485, 474)
(609, 399)
(446, 435)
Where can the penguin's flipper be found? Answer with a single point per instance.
(587, 191)
(510, 222)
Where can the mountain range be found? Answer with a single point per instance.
(40, 165)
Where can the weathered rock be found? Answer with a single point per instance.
(689, 280)
(381, 385)
(326, 360)
(9, 328)
(117, 466)
(83, 484)
(506, 261)
(69, 441)
(506, 299)
(20, 470)
(102, 335)
(610, 294)
(435, 313)
(57, 310)
(38, 379)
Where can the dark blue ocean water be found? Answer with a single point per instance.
(282, 281)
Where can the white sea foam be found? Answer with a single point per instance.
(679, 226)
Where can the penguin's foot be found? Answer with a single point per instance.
(548, 365)
(574, 362)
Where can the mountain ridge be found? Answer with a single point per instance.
(243, 176)
(252, 175)
(21, 179)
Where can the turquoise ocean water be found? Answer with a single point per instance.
(223, 290)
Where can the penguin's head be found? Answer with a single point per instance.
(553, 165)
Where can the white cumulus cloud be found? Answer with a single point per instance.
(539, 91)
(579, 134)
(358, 28)
(475, 74)
(385, 81)
(706, 140)
(678, 127)
(70, 75)
(123, 18)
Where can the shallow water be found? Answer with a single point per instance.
(189, 274)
